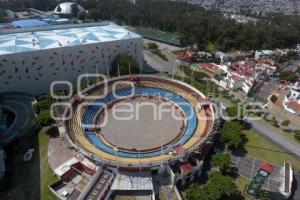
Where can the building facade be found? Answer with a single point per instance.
(31, 59)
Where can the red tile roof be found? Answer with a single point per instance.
(294, 106)
(235, 78)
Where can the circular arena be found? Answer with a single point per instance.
(139, 121)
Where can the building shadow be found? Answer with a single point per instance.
(295, 188)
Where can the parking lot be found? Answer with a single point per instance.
(248, 166)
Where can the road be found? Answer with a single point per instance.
(275, 137)
(21, 106)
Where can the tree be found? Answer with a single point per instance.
(58, 8)
(285, 122)
(43, 118)
(236, 111)
(221, 161)
(41, 105)
(297, 134)
(275, 123)
(218, 187)
(194, 192)
(230, 134)
(152, 46)
(82, 16)
(223, 184)
(124, 65)
(74, 9)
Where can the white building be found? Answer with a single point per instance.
(32, 58)
(292, 100)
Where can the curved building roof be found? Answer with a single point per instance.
(66, 8)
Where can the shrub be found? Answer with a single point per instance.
(275, 123)
(285, 122)
(230, 134)
(43, 119)
(297, 134)
(221, 161)
(122, 63)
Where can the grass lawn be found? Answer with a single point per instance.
(241, 183)
(279, 130)
(47, 177)
(260, 147)
(226, 100)
(162, 196)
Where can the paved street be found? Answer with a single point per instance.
(276, 137)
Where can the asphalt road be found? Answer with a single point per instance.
(21, 106)
(277, 138)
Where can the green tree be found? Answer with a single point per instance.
(82, 16)
(297, 134)
(74, 9)
(58, 8)
(124, 65)
(221, 183)
(218, 187)
(194, 192)
(285, 122)
(42, 105)
(221, 161)
(232, 111)
(43, 119)
(230, 134)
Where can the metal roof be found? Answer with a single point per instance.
(137, 181)
(47, 37)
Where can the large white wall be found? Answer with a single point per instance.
(33, 72)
